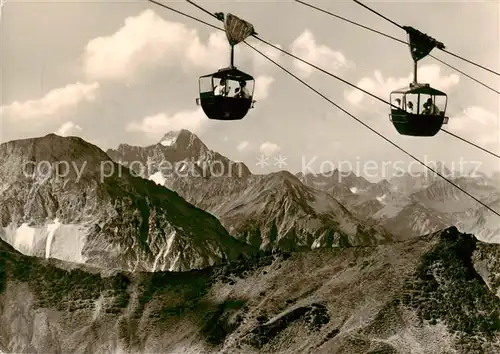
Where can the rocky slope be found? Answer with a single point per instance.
(179, 154)
(332, 180)
(440, 204)
(278, 211)
(266, 211)
(433, 294)
(64, 198)
(363, 197)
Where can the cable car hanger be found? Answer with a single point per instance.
(397, 40)
(405, 28)
(410, 120)
(225, 94)
(371, 94)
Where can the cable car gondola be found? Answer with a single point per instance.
(410, 119)
(407, 118)
(228, 93)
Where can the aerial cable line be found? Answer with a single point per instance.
(395, 39)
(313, 66)
(466, 75)
(185, 15)
(443, 49)
(330, 101)
(347, 82)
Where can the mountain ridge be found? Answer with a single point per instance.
(177, 154)
(266, 211)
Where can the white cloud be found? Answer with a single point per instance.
(242, 146)
(68, 128)
(262, 87)
(54, 101)
(382, 87)
(146, 40)
(157, 125)
(268, 148)
(478, 125)
(305, 47)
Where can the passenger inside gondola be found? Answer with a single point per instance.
(430, 108)
(410, 107)
(222, 89)
(242, 91)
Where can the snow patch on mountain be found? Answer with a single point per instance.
(158, 178)
(24, 238)
(51, 228)
(50, 240)
(168, 141)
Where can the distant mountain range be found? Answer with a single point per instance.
(418, 204)
(274, 211)
(433, 294)
(405, 206)
(64, 198)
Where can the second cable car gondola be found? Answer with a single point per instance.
(228, 93)
(419, 110)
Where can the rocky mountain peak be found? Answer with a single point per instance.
(440, 167)
(50, 156)
(179, 153)
(182, 139)
(285, 176)
(53, 147)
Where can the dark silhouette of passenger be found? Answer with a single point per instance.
(430, 108)
(242, 91)
(221, 89)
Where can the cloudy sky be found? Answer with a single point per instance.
(127, 72)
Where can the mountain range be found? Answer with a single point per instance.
(177, 205)
(174, 248)
(273, 211)
(418, 203)
(403, 206)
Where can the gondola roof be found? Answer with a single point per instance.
(425, 89)
(231, 73)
